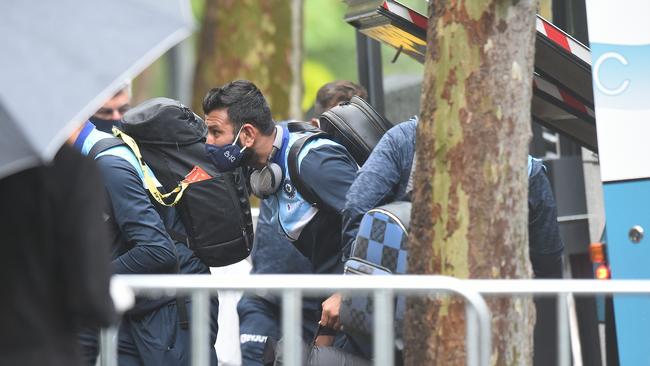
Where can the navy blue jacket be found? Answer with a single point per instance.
(329, 170)
(141, 244)
(384, 177)
(272, 251)
(137, 227)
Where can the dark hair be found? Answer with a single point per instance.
(244, 102)
(331, 94)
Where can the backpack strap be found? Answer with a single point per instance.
(297, 126)
(181, 308)
(103, 145)
(148, 179)
(292, 161)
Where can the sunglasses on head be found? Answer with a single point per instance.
(121, 110)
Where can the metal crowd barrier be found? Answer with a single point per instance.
(383, 288)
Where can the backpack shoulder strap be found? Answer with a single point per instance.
(292, 161)
(297, 126)
(103, 145)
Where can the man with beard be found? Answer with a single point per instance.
(259, 316)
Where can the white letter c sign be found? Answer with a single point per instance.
(606, 56)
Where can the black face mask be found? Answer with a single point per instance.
(106, 125)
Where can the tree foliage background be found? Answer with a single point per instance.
(329, 51)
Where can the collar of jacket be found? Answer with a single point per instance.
(88, 137)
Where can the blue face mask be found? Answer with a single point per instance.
(226, 157)
(106, 125)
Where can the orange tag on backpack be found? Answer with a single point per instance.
(196, 175)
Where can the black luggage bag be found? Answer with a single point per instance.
(212, 205)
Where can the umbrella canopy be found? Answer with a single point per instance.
(61, 60)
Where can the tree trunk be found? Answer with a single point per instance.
(470, 209)
(250, 39)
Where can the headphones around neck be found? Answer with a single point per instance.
(266, 181)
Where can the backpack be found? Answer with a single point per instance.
(354, 124)
(213, 206)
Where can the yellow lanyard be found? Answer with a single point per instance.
(148, 180)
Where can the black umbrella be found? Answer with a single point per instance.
(60, 60)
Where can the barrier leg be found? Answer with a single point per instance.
(472, 336)
(108, 346)
(384, 346)
(564, 354)
(200, 327)
(291, 327)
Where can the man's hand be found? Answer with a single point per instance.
(330, 316)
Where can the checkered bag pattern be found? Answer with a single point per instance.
(379, 249)
(356, 315)
(382, 241)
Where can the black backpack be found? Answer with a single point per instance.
(213, 206)
(354, 124)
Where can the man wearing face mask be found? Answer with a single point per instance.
(241, 131)
(155, 331)
(111, 112)
(259, 315)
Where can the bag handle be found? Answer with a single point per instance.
(322, 331)
(149, 182)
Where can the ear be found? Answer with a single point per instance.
(248, 135)
(315, 122)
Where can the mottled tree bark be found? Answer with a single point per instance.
(470, 209)
(249, 39)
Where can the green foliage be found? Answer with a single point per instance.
(330, 42)
(315, 75)
(329, 47)
(197, 9)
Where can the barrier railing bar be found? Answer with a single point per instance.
(472, 290)
(108, 346)
(472, 335)
(321, 284)
(553, 287)
(199, 327)
(564, 353)
(384, 345)
(413, 284)
(291, 328)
